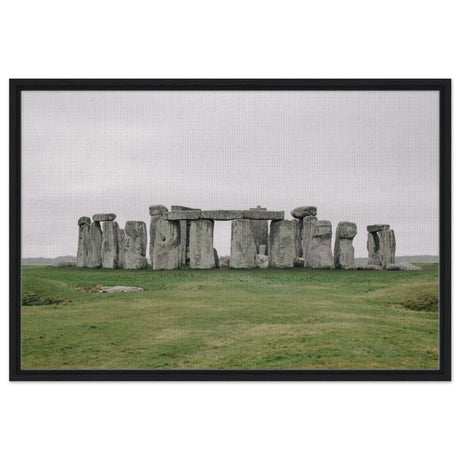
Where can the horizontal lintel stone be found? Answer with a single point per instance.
(377, 228)
(222, 215)
(263, 215)
(183, 215)
(104, 217)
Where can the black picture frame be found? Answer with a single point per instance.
(441, 85)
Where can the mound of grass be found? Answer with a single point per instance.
(429, 302)
(31, 298)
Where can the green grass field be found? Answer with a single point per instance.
(230, 319)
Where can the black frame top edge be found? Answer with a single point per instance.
(229, 84)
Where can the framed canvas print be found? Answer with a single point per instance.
(230, 230)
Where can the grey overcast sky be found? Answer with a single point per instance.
(367, 157)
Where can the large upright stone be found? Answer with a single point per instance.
(344, 252)
(319, 252)
(184, 234)
(307, 234)
(381, 245)
(109, 252)
(95, 258)
(260, 230)
(84, 241)
(298, 237)
(135, 245)
(157, 213)
(243, 247)
(166, 246)
(282, 243)
(387, 247)
(121, 248)
(201, 244)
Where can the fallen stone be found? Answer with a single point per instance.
(94, 255)
(319, 252)
(369, 267)
(263, 215)
(243, 247)
(104, 217)
(344, 252)
(304, 211)
(201, 244)
(377, 227)
(109, 249)
(261, 261)
(166, 247)
(65, 263)
(111, 289)
(403, 266)
(157, 210)
(282, 244)
(84, 250)
(135, 245)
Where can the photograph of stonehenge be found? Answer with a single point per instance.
(259, 238)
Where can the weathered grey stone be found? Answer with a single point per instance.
(65, 263)
(224, 261)
(216, 258)
(94, 254)
(121, 248)
(344, 252)
(183, 215)
(403, 266)
(120, 289)
(282, 243)
(84, 242)
(201, 244)
(256, 214)
(373, 249)
(298, 237)
(260, 231)
(222, 215)
(262, 261)
(299, 262)
(84, 220)
(109, 251)
(369, 267)
(387, 247)
(157, 210)
(166, 246)
(104, 217)
(318, 234)
(154, 219)
(243, 247)
(307, 234)
(377, 227)
(304, 211)
(262, 249)
(135, 245)
(183, 208)
(183, 241)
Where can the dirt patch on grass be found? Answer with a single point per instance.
(427, 302)
(31, 299)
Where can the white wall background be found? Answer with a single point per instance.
(227, 420)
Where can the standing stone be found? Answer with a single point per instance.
(387, 247)
(121, 248)
(243, 246)
(84, 242)
(344, 252)
(260, 230)
(216, 258)
(95, 258)
(298, 237)
(307, 234)
(201, 244)
(166, 245)
(282, 243)
(109, 251)
(184, 234)
(157, 213)
(381, 245)
(262, 249)
(319, 252)
(135, 245)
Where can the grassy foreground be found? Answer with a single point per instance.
(230, 319)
